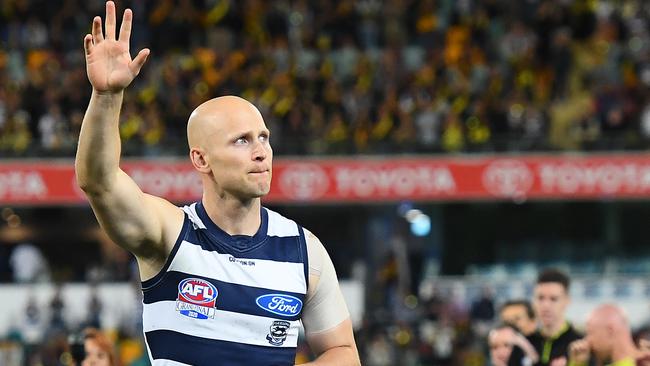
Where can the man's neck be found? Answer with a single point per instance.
(552, 330)
(233, 216)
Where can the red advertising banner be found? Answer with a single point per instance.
(365, 180)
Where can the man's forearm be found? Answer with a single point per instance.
(337, 356)
(98, 153)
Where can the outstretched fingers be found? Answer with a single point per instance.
(125, 28)
(110, 20)
(88, 43)
(139, 61)
(97, 30)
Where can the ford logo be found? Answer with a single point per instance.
(283, 305)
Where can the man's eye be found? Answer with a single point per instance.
(241, 141)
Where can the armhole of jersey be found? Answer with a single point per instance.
(155, 279)
(303, 253)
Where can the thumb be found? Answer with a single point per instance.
(139, 61)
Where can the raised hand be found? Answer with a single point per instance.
(579, 352)
(108, 61)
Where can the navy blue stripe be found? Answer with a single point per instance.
(230, 297)
(184, 231)
(282, 249)
(197, 351)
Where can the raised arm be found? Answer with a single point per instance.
(328, 327)
(143, 224)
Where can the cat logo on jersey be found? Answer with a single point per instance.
(196, 298)
(278, 332)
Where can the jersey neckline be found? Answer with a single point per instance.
(238, 242)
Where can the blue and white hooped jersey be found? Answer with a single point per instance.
(228, 300)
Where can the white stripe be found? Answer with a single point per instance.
(194, 216)
(225, 326)
(280, 225)
(283, 276)
(163, 362)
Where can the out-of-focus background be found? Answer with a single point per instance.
(444, 151)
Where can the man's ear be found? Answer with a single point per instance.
(199, 160)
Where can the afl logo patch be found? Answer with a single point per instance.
(283, 305)
(197, 298)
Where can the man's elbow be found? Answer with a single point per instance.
(349, 355)
(83, 178)
(344, 355)
(92, 189)
(354, 359)
(84, 183)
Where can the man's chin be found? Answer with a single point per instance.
(262, 191)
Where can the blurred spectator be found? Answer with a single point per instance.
(29, 328)
(93, 319)
(552, 339)
(642, 339)
(57, 322)
(98, 349)
(483, 308)
(501, 341)
(28, 264)
(520, 314)
(482, 312)
(379, 351)
(608, 337)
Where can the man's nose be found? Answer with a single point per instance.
(259, 152)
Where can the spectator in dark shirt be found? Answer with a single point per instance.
(483, 308)
(555, 333)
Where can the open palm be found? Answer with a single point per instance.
(108, 61)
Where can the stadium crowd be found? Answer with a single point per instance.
(337, 77)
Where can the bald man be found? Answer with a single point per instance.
(225, 280)
(608, 337)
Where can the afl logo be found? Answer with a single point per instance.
(508, 178)
(304, 181)
(196, 298)
(283, 305)
(197, 291)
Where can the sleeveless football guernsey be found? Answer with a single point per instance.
(228, 300)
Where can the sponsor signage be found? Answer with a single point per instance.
(279, 304)
(365, 180)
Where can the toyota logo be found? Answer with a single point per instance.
(304, 181)
(508, 178)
